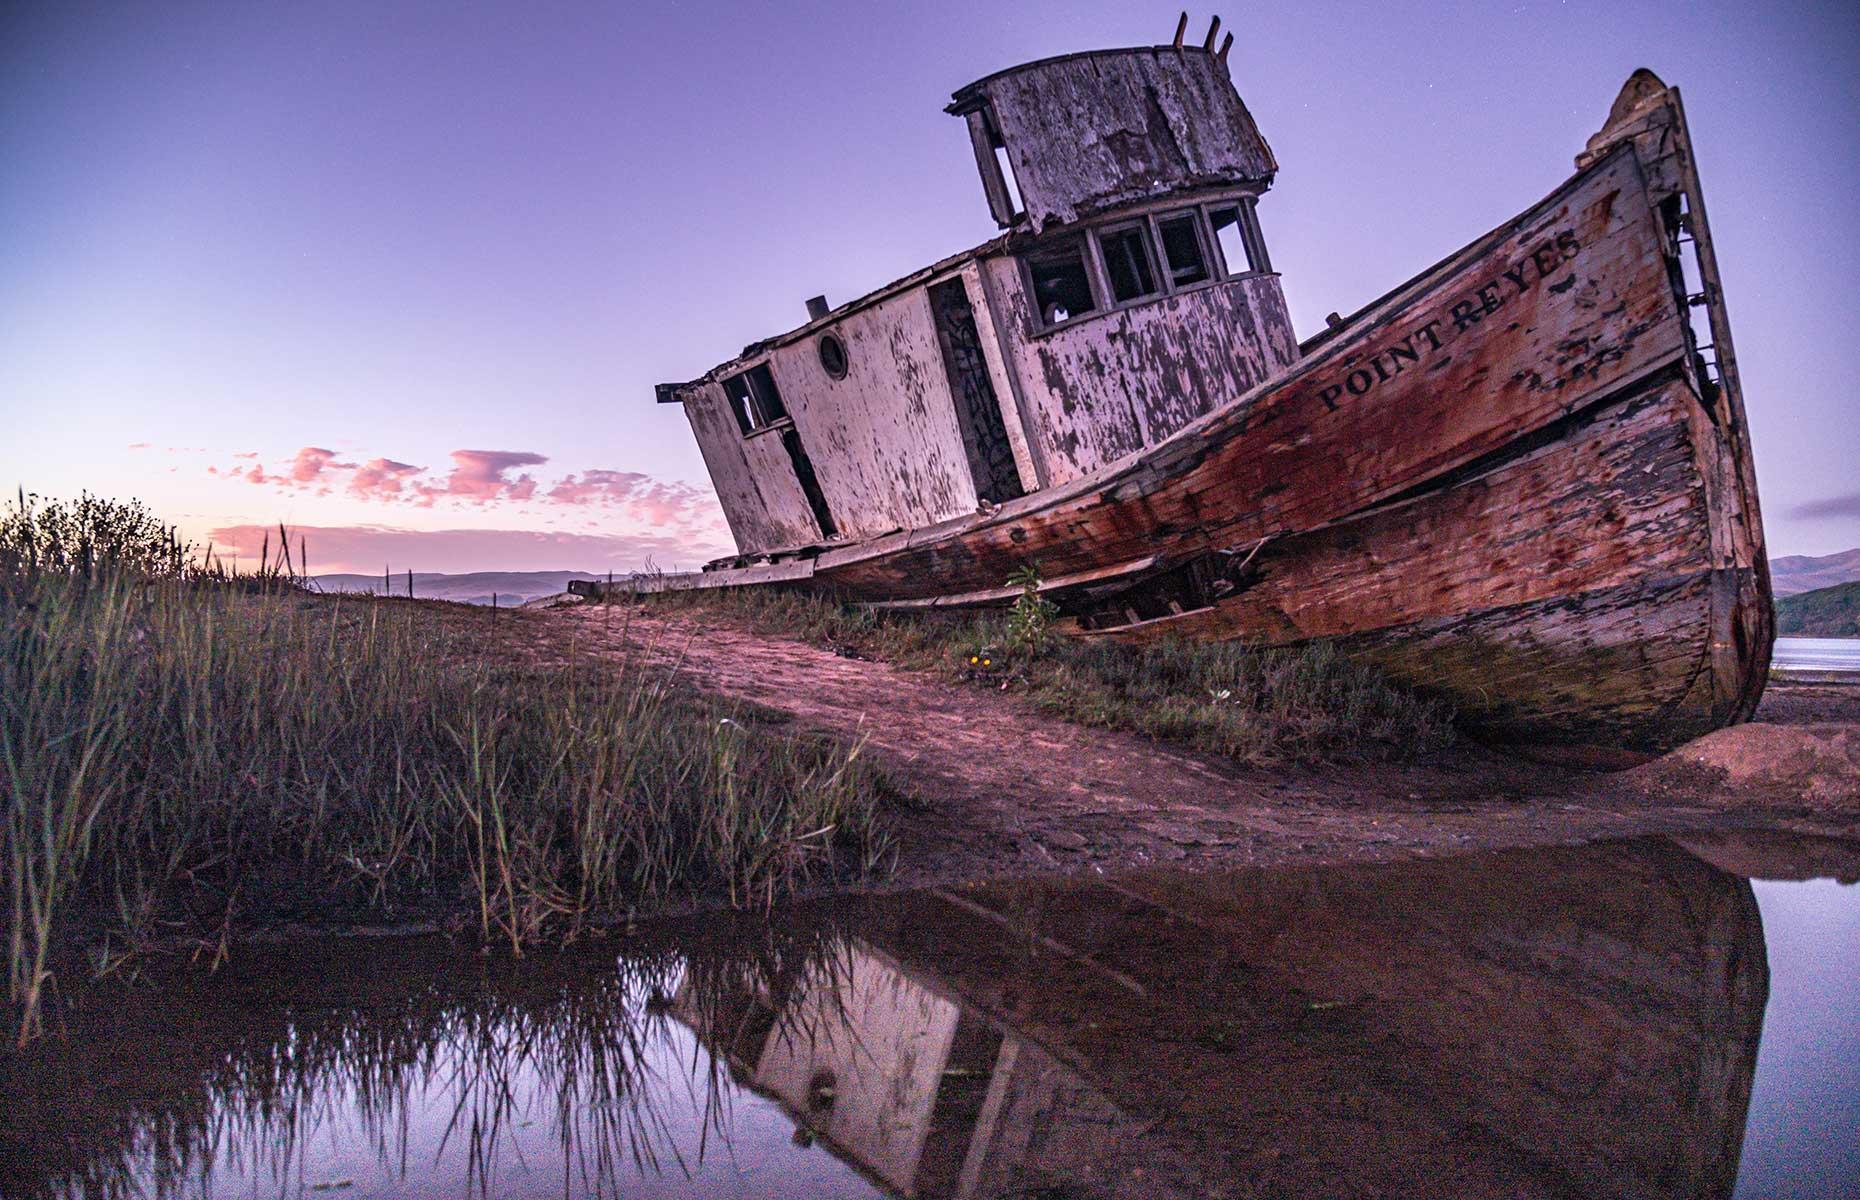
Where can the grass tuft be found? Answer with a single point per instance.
(184, 753)
(1261, 706)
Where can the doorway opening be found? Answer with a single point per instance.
(978, 412)
(810, 483)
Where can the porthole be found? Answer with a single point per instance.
(833, 355)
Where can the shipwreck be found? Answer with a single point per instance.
(1522, 480)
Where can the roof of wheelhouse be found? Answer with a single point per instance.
(1093, 131)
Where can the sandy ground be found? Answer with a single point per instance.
(1006, 790)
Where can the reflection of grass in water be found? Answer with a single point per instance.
(187, 752)
(209, 1078)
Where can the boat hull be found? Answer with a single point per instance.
(1568, 597)
(1515, 482)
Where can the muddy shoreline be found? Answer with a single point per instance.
(999, 792)
(1002, 791)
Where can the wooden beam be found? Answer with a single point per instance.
(999, 595)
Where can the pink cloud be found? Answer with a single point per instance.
(251, 474)
(654, 501)
(368, 548)
(486, 478)
(478, 476)
(383, 479)
(596, 487)
(312, 461)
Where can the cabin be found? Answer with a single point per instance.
(1128, 292)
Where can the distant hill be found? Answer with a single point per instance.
(1799, 573)
(1824, 612)
(475, 587)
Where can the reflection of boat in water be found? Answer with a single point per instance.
(1558, 1023)
(1521, 480)
(1553, 1023)
(894, 1074)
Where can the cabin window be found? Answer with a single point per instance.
(755, 399)
(1236, 231)
(1061, 284)
(1126, 251)
(997, 172)
(1006, 168)
(1181, 246)
(833, 356)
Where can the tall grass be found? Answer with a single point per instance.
(181, 758)
(1258, 705)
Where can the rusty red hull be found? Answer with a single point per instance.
(1522, 481)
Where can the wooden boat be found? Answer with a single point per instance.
(1521, 480)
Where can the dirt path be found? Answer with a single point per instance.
(1006, 789)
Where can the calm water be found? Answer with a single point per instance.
(1817, 654)
(1626, 1019)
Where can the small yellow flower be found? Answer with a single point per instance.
(987, 663)
(973, 659)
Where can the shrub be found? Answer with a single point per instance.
(1030, 620)
(86, 536)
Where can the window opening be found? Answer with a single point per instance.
(1061, 284)
(755, 399)
(736, 391)
(991, 160)
(1007, 178)
(1236, 229)
(769, 408)
(1127, 263)
(1255, 240)
(1181, 244)
(1231, 238)
(833, 356)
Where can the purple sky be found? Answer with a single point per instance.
(379, 267)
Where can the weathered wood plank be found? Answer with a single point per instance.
(1088, 132)
(1527, 565)
(762, 575)
(1106, 386)
(884, 440)
(1047, 587)
(1544, 526)
(755, 484)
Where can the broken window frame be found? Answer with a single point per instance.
(1094, 282)
(996, 166)
(1146, 246)
(1213, 256)
(1198, 224)
(755, 400)
(1252, 241)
